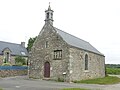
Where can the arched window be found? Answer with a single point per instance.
(47, 15)
(51, 15)
(86, 62)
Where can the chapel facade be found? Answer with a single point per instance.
(58, 55)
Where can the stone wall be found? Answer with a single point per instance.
(1, 59)
(12, 60)
(40, 54)
(72, 62)
(8, 73)
(96, 68)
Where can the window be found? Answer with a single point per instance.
(47, 15)
(7, 58)
(23, 53)
(86, 62)
(57, 54)
(51, 15)
(46, 44)
(7, 54)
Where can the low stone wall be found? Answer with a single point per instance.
(8, 73)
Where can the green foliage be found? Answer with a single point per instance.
(6, 64)
(75, 89)
(112, 65)
(5, 60)
(60, 80)
(30, 43)
(19, 64)
(19, 60)
(114, 71)
(105, 80)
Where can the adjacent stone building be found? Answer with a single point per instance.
(9, 51)
(58, 55)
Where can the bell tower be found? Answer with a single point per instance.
(49, 15)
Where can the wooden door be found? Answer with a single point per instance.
(47, 69)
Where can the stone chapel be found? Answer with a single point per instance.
(59, 55)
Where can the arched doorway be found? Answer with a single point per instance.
(47, 69)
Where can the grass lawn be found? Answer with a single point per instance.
(104, 81)
(115, 71)
(75, 89)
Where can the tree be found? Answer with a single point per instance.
(19, 60)
(30, 43)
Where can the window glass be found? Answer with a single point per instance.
(86, 62)
(46, 44)
(57, 54)
(47, 15)
(23, 53)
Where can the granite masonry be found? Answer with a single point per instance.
(58, 55)
(10, 73)
(9, 51)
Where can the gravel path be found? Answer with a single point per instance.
(23, 83)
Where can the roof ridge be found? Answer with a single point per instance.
(72, 35)
(10, 42)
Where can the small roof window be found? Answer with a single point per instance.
(23, 53)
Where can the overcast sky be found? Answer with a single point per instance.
(95, 21)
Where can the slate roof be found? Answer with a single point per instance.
(16, 49)
(77, 42)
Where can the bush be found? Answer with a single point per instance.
(19, 64)
(19, 60)
(6, 64)
(60, 80)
